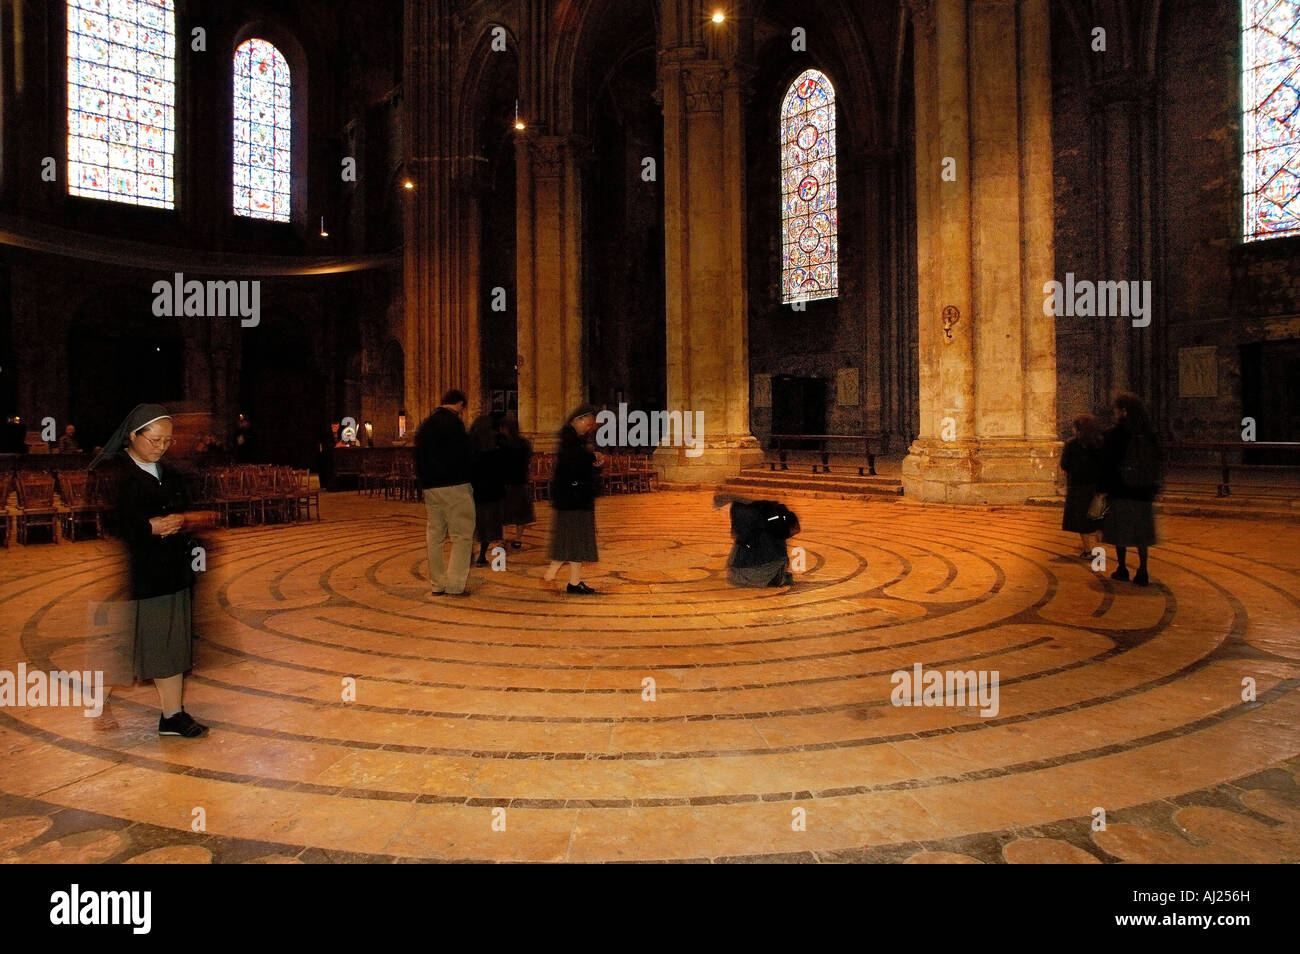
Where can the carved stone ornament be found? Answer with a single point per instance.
(950, 317)
(548, 157)
(703, 90)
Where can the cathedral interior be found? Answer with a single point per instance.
(298, 225)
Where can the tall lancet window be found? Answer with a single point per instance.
(263, 125)
(810, 262)
(122, 101)
(1270, 128)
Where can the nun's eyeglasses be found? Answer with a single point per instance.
(163, 442)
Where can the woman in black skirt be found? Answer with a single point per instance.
(519, 502)
(1130, 477)
(573, 496)
(1081, 461)
(153, 515)
(488, 480)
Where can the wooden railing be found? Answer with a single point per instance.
(871, 444)
(1227, 456)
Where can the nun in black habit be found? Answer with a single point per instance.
(153, 517)
(760, 529)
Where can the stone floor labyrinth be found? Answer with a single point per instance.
(515, 724)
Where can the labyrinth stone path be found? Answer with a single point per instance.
(518, 723)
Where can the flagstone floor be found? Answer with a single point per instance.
(517, 724)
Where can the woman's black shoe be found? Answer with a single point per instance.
(181, 724)
(581, 588)
(482, 561)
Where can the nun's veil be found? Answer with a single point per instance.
(142, 416)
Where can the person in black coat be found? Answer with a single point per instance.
(488, 480)
(573, 496)
(443, 465)
(154, 520)
(760, 529)
(1081, 461)
(1130, 478)
(519, 502)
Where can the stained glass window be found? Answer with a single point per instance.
(263, 124)
(810, 259)
(122, 100)
(1270, 87)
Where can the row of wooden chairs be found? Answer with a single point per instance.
(392, 477)
(258, 493)
(621, 474)
(78, 504)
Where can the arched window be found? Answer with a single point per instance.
(263, 126)
(1270, 128)
(810, 261)
(122, 100)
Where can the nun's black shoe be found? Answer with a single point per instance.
(581, 588)
(181, 724)
(1141, 578)
(1121, 574)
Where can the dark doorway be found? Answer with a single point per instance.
(798, 406)
(1270, 393)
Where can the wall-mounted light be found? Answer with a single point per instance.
(519, 123)
(719, 17)
(323, 233)
(408, 185)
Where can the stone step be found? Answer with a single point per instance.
(879, 488)
(1189, 505)
(842, 475)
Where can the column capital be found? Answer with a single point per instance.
(923, 14)
(549, 155)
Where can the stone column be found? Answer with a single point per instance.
(552, 379)
(987, 352)
(705, 301)
(441, 322)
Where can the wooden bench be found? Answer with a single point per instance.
(871, 444)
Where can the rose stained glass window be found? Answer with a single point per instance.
(263, 125)
(810, 254)
(122, 101)
(1270, 128)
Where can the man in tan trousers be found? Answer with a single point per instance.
(442, 465)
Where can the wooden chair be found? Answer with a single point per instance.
(209, 496)
(36, 504)
(6, 525)
(540, 471)
(276, 498)
(306, 496)
(232, 493)
(617, 473)
(79, 506)
(642, 472)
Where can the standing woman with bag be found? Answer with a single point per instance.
(1081, 461)
(1130, 477)
(573, 496)
(152, 511)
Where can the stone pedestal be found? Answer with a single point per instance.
(981, 472)
(720, 457)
